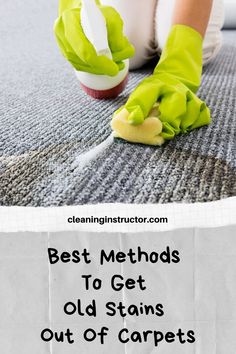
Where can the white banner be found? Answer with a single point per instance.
(72, 218)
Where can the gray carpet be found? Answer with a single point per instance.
(46, 121)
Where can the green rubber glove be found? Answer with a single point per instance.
(173, 85)
(77, 49)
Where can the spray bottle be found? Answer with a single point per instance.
(94, 27)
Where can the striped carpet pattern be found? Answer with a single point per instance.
(46, 121)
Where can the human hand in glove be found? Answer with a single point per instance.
(77, 49)
(172, 86)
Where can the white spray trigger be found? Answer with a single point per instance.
(94, 27)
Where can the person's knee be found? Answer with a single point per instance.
(213, 37)
(211, 46)
(163, 21)
(138, 17)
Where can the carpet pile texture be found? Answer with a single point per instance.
(46, 121)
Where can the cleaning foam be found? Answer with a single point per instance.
(84, 159)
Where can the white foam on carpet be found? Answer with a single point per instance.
(84, 159)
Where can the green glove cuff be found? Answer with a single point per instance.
(70, 4)
(67, 5)
(78, 50)
(182, 56)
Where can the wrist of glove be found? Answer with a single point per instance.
(172, 86)
(71, 4)
(77, 49)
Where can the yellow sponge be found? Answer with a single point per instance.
(146, 133)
